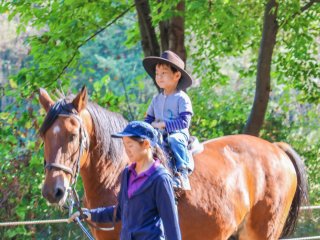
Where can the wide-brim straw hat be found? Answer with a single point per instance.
(168, 57)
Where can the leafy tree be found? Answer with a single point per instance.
(56, 50)
(233, 28)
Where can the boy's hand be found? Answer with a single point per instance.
(159, 125)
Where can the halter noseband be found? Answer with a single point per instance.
(61, 108)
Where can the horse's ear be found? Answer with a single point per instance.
(45, 99)
(81, 100)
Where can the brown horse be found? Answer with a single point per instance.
(243, 187)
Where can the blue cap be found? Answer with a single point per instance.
(139, 129)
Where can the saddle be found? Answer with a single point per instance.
(194, 147)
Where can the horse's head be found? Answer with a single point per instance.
(66, 141)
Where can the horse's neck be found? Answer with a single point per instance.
(101, 179)
(100, 175)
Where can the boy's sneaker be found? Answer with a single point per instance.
(181, 180)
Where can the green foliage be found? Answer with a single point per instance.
(297, 57)
(163, 10)
(308, 225)
(215, 32)
(115, 77)
(55, 49)
(219, 112)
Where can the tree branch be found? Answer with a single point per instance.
(302, 9)
(308, 5)
(87, 40)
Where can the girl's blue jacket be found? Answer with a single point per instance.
(150, 214)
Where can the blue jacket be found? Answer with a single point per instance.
(150, 214)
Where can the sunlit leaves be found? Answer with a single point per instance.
(297, 56)
(64, 26)
(219, 29)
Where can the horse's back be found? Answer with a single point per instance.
(238, 180)
(247, 162)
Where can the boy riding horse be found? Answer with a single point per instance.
(170, 111)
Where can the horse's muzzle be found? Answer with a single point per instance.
(53, 194)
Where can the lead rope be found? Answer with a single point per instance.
(84, 229)
(73, 191)
(73, 198)
(10, 224)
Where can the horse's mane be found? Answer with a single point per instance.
(107, 123)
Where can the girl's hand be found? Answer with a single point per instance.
(86, 215)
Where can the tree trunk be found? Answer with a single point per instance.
(164, 35)
(172, 33)
(269, 34)
(149, 40)
(176, 33)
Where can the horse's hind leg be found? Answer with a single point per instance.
(264, 222)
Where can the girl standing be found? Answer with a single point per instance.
(146, 204)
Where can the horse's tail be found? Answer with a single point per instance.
(301, 195)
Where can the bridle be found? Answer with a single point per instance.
(83, 144)
(64, 109)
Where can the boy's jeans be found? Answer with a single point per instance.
(178, 142)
